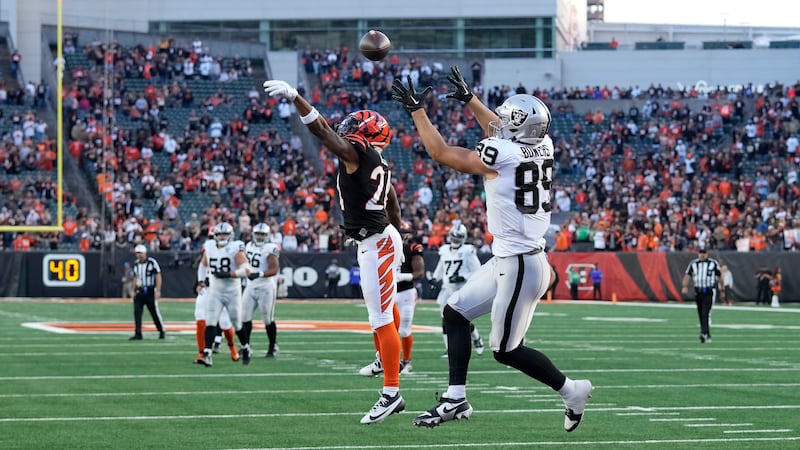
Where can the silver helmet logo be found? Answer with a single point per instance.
(518, 117)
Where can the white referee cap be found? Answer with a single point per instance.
(140, 249)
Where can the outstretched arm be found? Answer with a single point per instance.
(462, 92)
(459, 158)
(315, 123)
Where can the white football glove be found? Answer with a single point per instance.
(274, 88)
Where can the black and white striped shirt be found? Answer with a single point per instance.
(145, 273)
(704, 273)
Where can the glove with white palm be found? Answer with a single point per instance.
(407, 96)
(462, 91)
(275, 88)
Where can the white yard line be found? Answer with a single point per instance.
(316, 414)
(565, 444)
(694, 425)
(684, 419)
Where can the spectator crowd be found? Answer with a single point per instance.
(680, 169)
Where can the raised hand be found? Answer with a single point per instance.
(275, 88)
(462, 91)
(407, 96)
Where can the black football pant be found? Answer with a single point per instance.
(704, 298)
(148, 299)
(527, 360)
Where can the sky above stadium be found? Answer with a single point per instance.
(759, 13)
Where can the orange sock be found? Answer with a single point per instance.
(407, 343)
(376, 341)
(200, 334)
(390, 354)
(229, 336)
(396, 314)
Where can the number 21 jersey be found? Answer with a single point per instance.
(363, 193)
(518, 199)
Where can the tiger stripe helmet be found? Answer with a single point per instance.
(369, 125)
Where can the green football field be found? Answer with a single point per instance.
(656, 386)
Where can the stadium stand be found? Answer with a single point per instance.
(28, 190)
(650, 169)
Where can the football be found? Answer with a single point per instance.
(375, 45)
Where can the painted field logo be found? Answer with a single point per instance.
(189, 327)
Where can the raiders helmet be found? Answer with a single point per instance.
(522, 118)
(368, 124)
(457, 235)
(260, 233)
(222, 233)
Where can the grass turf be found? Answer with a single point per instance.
(656, 386)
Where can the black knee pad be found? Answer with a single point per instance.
(507, 358)
(451, 316)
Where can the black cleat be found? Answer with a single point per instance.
(245, 354)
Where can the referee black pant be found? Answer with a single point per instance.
(704, 299)
(146, 297)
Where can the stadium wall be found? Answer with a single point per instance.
(670, 68)
(629, 276)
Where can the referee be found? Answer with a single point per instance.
(147, 280)
(705, 274)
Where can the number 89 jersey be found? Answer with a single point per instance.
(222, 259)
(257, 257)
(518, 198)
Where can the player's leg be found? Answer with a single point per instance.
(406, 302)
(379, 257)
(200, 321)
(250, 302)
(525, 278)
(477, 340)
(471, 301)
(214, 305)
(268, 299)
(226, 328)
(441, 300)
(236, 310)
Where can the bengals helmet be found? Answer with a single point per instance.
(522, 118)
(369, 125)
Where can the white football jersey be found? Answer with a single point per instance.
(456, 264)
(257, 257)
(222, 260)
(518, 199)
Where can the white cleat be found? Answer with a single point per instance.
(372, 369)
(383, 408)
(576, 403)
(478, 344)
(447, 409)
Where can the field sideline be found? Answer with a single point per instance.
(656, 386)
